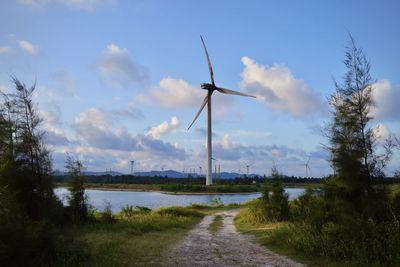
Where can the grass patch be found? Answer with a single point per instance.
(216, 225)
(275, 235)
(140, 240)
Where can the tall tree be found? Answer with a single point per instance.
(352, 139)
(77, 200)
(26, 162)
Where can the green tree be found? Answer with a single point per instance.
(78, 200)
(352, 139)
(274, 198)
(28, 207)
(32, 159)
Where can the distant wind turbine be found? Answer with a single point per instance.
(307, 165)
(211, 87)
(248, 168)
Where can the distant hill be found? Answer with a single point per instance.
(89, 173)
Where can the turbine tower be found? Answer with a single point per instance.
(307, 165)
(211, 87)
(132, 164)
(248, 168)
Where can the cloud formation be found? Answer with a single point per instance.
(386, 99)
(117, 68)
(28, 47)
(279, 89)
(97, 132)
(174, 93)
(87, 4)
(177, 93)
(381, 132)
(93, 126)
(164, 128)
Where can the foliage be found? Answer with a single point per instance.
(274, 202)
(25, 160)
(106, 215)
(77, 200)
(129, 211)
(178, 211)
(30, 212)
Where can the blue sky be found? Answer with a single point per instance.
(119, 80)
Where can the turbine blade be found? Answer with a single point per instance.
(208, 61)
(205, 101)
(231, 92)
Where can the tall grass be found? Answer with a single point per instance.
(138, 237)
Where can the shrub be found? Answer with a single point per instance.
(178, 211)
(107, 215)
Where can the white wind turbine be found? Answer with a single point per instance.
(307, 165)
(211, 87)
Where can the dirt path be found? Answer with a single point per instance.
(226, 248)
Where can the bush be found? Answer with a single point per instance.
(107, 215)
(129, 211)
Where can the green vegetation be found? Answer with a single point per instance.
(353, 219)
(78, 206)
(135, 237)
(216, 225)
(30, 214)
(196, 188)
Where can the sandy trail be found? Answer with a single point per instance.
(227, 248)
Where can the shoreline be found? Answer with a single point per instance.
(162, 192)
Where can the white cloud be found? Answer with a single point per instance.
(93, 126)
(386, 99)
(381, 132)
(117, 68)
(28, 47)
(164, 128)
(87, 4)
(97, 132)
(5, 49)
(33, 3)
(177, 93)
(279, 89)
(4, 89)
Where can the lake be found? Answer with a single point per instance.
(152, 200)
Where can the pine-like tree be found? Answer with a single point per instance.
(352, 138)
(25, 161)
(77, 200)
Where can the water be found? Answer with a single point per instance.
(152, 200)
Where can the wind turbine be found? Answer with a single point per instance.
(211, 87)
(248, 168)
(307, 165)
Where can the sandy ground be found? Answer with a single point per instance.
(226, 247)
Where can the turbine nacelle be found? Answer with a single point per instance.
(208, 86)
